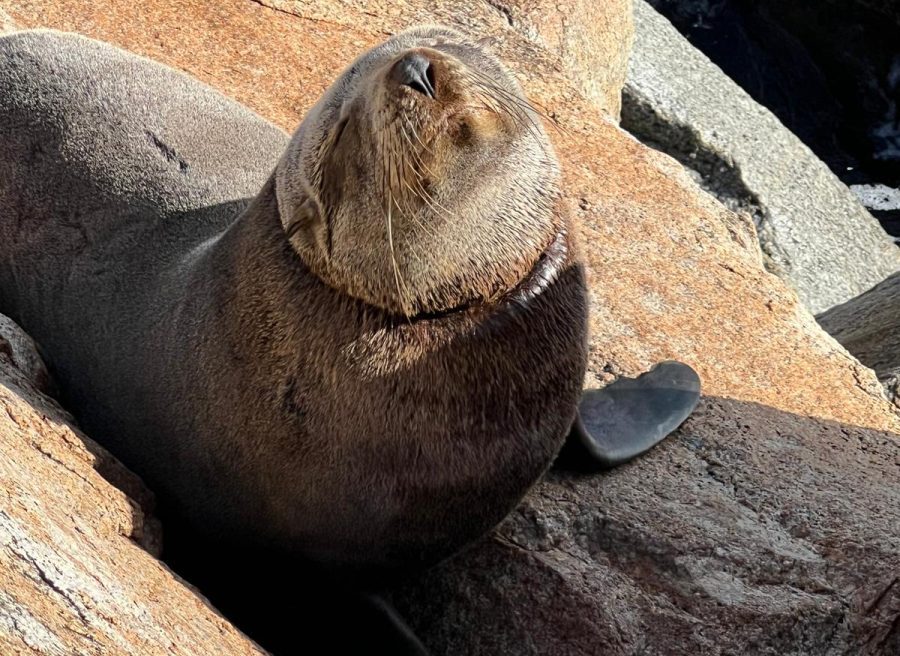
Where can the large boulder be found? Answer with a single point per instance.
(826, 68)
(769, 524)
(77, 572)
(869, 327)
(753, 531)
(813, 230)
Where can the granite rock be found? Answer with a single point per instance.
(813, 230)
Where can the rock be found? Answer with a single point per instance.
(592, 38)
(769, 524)
(22, 353)
(828, 69)
(869, 327)
(813, 230)
(877, 196)
(884, 204)
(77, 572)
(745, 534)
(6, 23)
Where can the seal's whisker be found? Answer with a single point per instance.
(420, 161)
(516, 112)
(390, 237)
(416, 133)
(414, 154)
(423, 193)
(411, 212)
(432, 202)
(525, 118)
(414, 215)
(402, 289)
(393, 175)
(485, 83)
(522, 102)
(409, 246)
(420, 178)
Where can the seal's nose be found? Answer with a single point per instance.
(416, 72)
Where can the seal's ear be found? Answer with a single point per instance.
(307, 229)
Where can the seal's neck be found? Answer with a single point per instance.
(428, 417)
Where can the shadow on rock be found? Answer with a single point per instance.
(750, 531)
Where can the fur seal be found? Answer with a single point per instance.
(365, 357)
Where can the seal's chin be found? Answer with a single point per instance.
(545, 272)
(549, 266)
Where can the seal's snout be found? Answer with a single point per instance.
(415, 70)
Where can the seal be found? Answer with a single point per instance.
(365, 357)
(362, 358)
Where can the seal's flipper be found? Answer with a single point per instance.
(631, 415)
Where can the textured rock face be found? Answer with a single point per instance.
(753, 531)
(768, 525)
(869, 327)
(592, 38)
(814, 231)
(6, 22)
(827, 68)
(75, 573)
(22, 353)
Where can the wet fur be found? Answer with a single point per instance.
(270, 380)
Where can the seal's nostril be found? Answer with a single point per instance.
(416, 72)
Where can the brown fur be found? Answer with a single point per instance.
(293, 379)
(431, 180)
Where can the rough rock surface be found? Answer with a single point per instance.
(828, 69)
(869, 327)
(22, 352)
(6, 22)
(753, 531)
(592, 38)
(769, 525)
(75, 573)
(814, 231)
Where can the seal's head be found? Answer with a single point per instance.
(422, 180)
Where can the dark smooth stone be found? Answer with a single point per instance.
(632, 415)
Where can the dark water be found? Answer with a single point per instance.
(829, 69)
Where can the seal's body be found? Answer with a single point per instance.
(366, 356)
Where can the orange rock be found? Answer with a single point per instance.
(77, 572)
(6, 22)
(591, 39)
